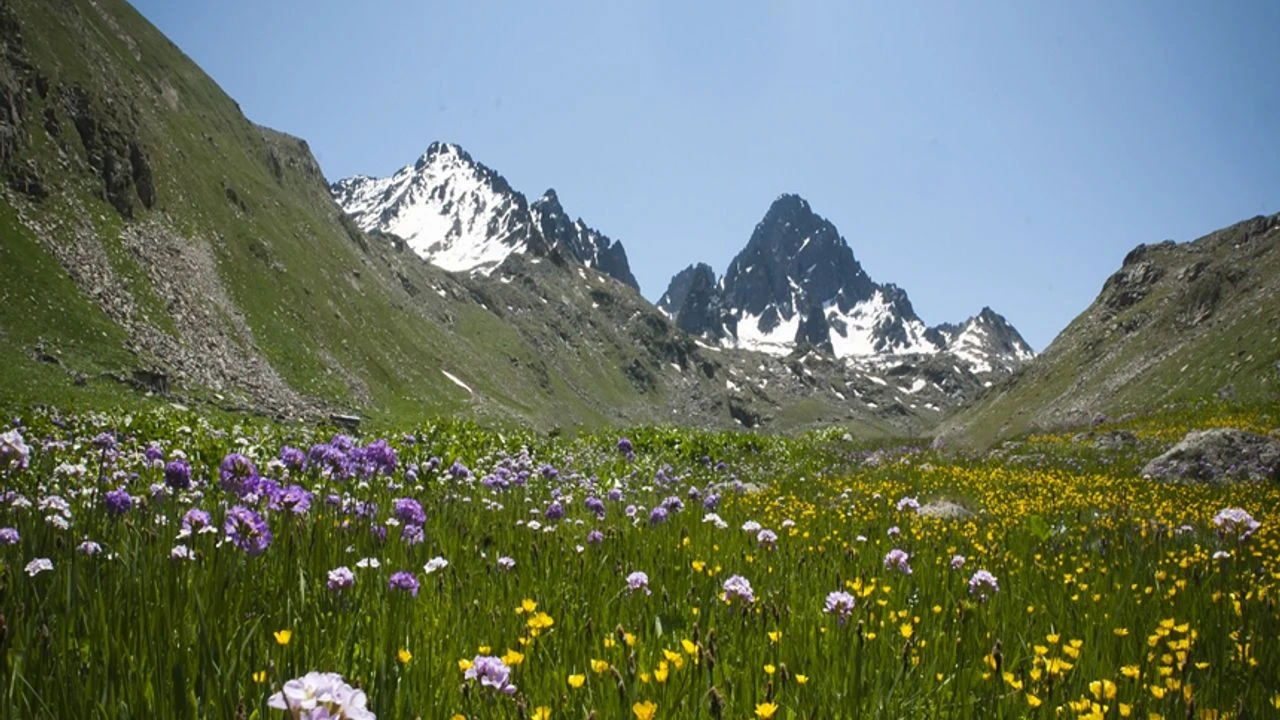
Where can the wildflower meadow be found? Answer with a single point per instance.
(161, 565)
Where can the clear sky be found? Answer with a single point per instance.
(975, 153)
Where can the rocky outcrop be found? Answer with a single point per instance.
(1217, 456)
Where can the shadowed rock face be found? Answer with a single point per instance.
(1218, 456)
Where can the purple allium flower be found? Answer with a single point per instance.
(614, 495)
(711, 501)
(403, 581)
(908, 503)
(341, 578)
(39, 565)
(767, 537)
(738, 588)
(658, 515)
(630, 511)
(595, 505)
(458, 471)
(105, 442)
(751, 526)
(236, 474)
(118, 501)
(380, 457)
(957, 562)
(492, 673)
(898, 559)
(1235, 523)
(295, 499)
(154, 455)
(434, 564)
(293, 458)
(412, 534)
(409, 511)
(247, 530)
(379, 533)
(14, 452)
(894, 531)
(983, 584)
(673, 504)
(595, 537)
(321, 696)
(554, 512)
(840, 604)
(625, 447)
(506, 563)
(638, 581)
(9, 536)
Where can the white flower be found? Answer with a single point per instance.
(434, 564)
(39, 565)
(181, 552)
(368, 563)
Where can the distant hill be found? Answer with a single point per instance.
(1177, 324)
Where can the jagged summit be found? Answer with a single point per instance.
(462, 216)
(797, 283)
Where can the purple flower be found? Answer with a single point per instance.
(614, 495)
(247, 530)
(14, 452)
(89, 547)
(295, 499)
(908, 503)
(638, 581)
(625, 447)
(409, 511)
(894, 532)
(9, 536)
(341, 578)
(39, 565)
(751, 526)
(898, 559)
(154, 455)
(673, 504)
(118, 501)
(412, 534)
(767, 537)
(293, 458)
(957, 562)
(595, 505)
(379, 457)
(236, 474)
(194, 519)
(840, 604)
(711, 501)
(554, 512)
(595, 537)
(403, 581)
(506, 563)
(492, 673)
(1235, 523)
(983, 584)
(321, 696)
(738, 588)
(181, 552)
(658, 515)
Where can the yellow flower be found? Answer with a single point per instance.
(660, 673)
(1033, 701)
(260, 676)
(769, 669)
(577, 681)
(1130, 671)
(513, 657)
(1103, 689)
(484, 650)
(542, 712)
(599, 666)
(1052, 638)
(610, 642)
(283, 636)
(775, 636)
(645, 710)
(404, 656)
(765, 710)
(1126, 710)
(458, 716)
(629, 639)
(689, 647)
(802, 679)
(697, 565)
(526, 606)
(906, 629)
(1012, 681)
(463, 664)
(1121, 632)
(539, 622)
(1157, 692)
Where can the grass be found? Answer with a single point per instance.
(1111, 600)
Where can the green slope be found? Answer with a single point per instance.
(1178, 326)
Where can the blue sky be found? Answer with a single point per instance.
(975, 153)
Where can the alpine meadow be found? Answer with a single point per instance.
(415, 444)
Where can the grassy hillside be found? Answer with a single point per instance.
(1179, 325)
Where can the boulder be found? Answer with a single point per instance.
(1219, 455)
(944, 510)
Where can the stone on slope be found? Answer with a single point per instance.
(1217, 456)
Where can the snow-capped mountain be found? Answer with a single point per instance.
(798, 283)
(461, 216)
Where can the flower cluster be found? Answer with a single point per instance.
(321, 696)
